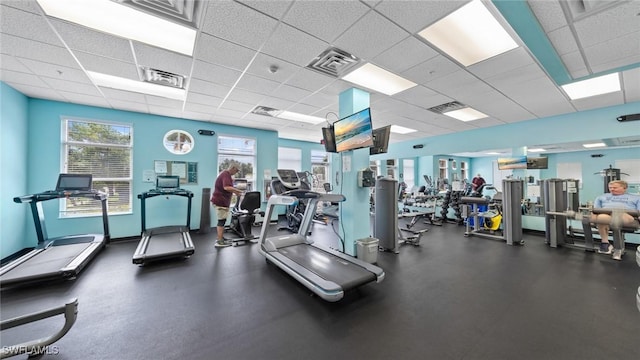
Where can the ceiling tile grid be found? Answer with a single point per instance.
(254, 52)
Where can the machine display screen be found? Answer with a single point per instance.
(74, 182)
(167, 182)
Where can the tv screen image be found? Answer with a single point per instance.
(537, 163)
(512, 163)
(354, 131)
(380, 140)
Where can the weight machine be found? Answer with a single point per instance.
(510, 210)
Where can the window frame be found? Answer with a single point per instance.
(251, 183)
(65, 143)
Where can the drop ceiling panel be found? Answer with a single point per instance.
(207, 88)
(122, 95)
(200, 99)
(237, 23)
(598, 28)
(83, 99)
(217, 51)
(37, 92)
(309, 80)
(108, 66)
(563, 40)
(631, 84)
(242, 107)
(156, 58)
(404, 55)
(574, 62)
(549, 13)
(325, 20)
(215, 73)
(614, 53)
(291, 93)
(34, 50)
(370, 36)
(83, 39)
(69, 86)
(55, 71)
(430, 70)
(160, 101)
(319, 100)
(503, 63)
(22, 78)
(30, 6)
(416, 15)
(293, 45)
(274, 9)
(262, 66)
(26, 25)
(129, 105)
(257, 84)
(246, 96)
(201, 108)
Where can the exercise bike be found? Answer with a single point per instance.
(243, 216)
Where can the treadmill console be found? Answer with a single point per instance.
(289, 178)
(74, 182)
(167, 183)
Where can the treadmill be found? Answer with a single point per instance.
(326, 272)
(61, 257)
(167, 241)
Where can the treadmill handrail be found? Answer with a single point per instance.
(52, 194)
(70, 311)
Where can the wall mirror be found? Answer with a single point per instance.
(178, 142)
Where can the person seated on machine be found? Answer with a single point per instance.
(616, 198)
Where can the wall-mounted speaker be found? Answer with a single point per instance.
(631, 117)
(206, 132)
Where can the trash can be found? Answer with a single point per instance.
(367, 250)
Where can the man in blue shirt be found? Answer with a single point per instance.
(616, 198)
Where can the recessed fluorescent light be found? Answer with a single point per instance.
(493, 153)
(591, 87)
(593, 145)
(466, 114)
(401, 129)
(116, 82)
(378, 79)
(470, 34)
(536, 150)
(288, 115)
(120, 20)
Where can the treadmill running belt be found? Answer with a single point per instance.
(327, 266)
(48, 262)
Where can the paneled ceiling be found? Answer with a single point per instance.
(255, 53)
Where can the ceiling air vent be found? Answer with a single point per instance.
(162, 78)
(334, 62)
(185, 12)
(451, 106)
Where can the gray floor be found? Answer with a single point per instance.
(451, 298)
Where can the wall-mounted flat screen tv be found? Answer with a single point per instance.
(537, 163)
(328, 140)
(380, 140)
(512, 163)
(354, 131)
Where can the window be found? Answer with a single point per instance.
(178, 142)
(290, 158)
(443, 173)
(408, 173)
(463, 170)
(241, 152)
(103, 150)
(319, 170)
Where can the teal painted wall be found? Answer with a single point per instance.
(13, 177)
(43, 163)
